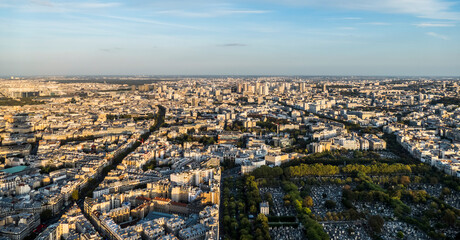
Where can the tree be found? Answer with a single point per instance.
(234, 227)
(244, 223)
(245, 235)
(227, 221)
(308, 202)
(376, 223)
(445, 191)
(259, 234)
(262, 218)
(45, 215)
(405, 180)
(449, 217)
(75, 195)
(253, 209)
(241, 206)
(417, 179)
(434, 180)
(400, 235)
(358, 154)
(262, 224)
(330, 204)
(267, 172)
(268, 196)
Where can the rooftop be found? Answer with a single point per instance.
(13, 170)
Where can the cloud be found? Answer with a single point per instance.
(431, 9)
(43, 3)
(79, 4)
(98, 5)
(149, 21)
(437, 35)
(347, 28)
(377, 23)
(210, 13)
(57, 6)
(245, 11)
(232, 45)
(435, 25)
(345, 18)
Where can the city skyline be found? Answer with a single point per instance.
(230, 38)
(187, 158)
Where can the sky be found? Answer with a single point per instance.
(230, 37)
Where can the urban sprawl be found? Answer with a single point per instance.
(229, 158)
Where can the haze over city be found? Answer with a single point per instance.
(312, 37)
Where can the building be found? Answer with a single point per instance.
(19, 226)
(276, 159)
(264, 208)
(194, 232)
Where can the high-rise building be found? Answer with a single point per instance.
(265, 89)
(302, 87)
(240, 88)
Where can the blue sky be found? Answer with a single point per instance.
(267, 37)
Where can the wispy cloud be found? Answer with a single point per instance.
(149, 21)
(347, 28)
(43, 3)
(232, 45)
(345, 18)
(98, 5)
(245, 11)
(437, 35)
(432, 9)
(377, 23)
(210, 13)
(434, 25)
(56, 6)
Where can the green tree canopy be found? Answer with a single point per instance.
(376, 223)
